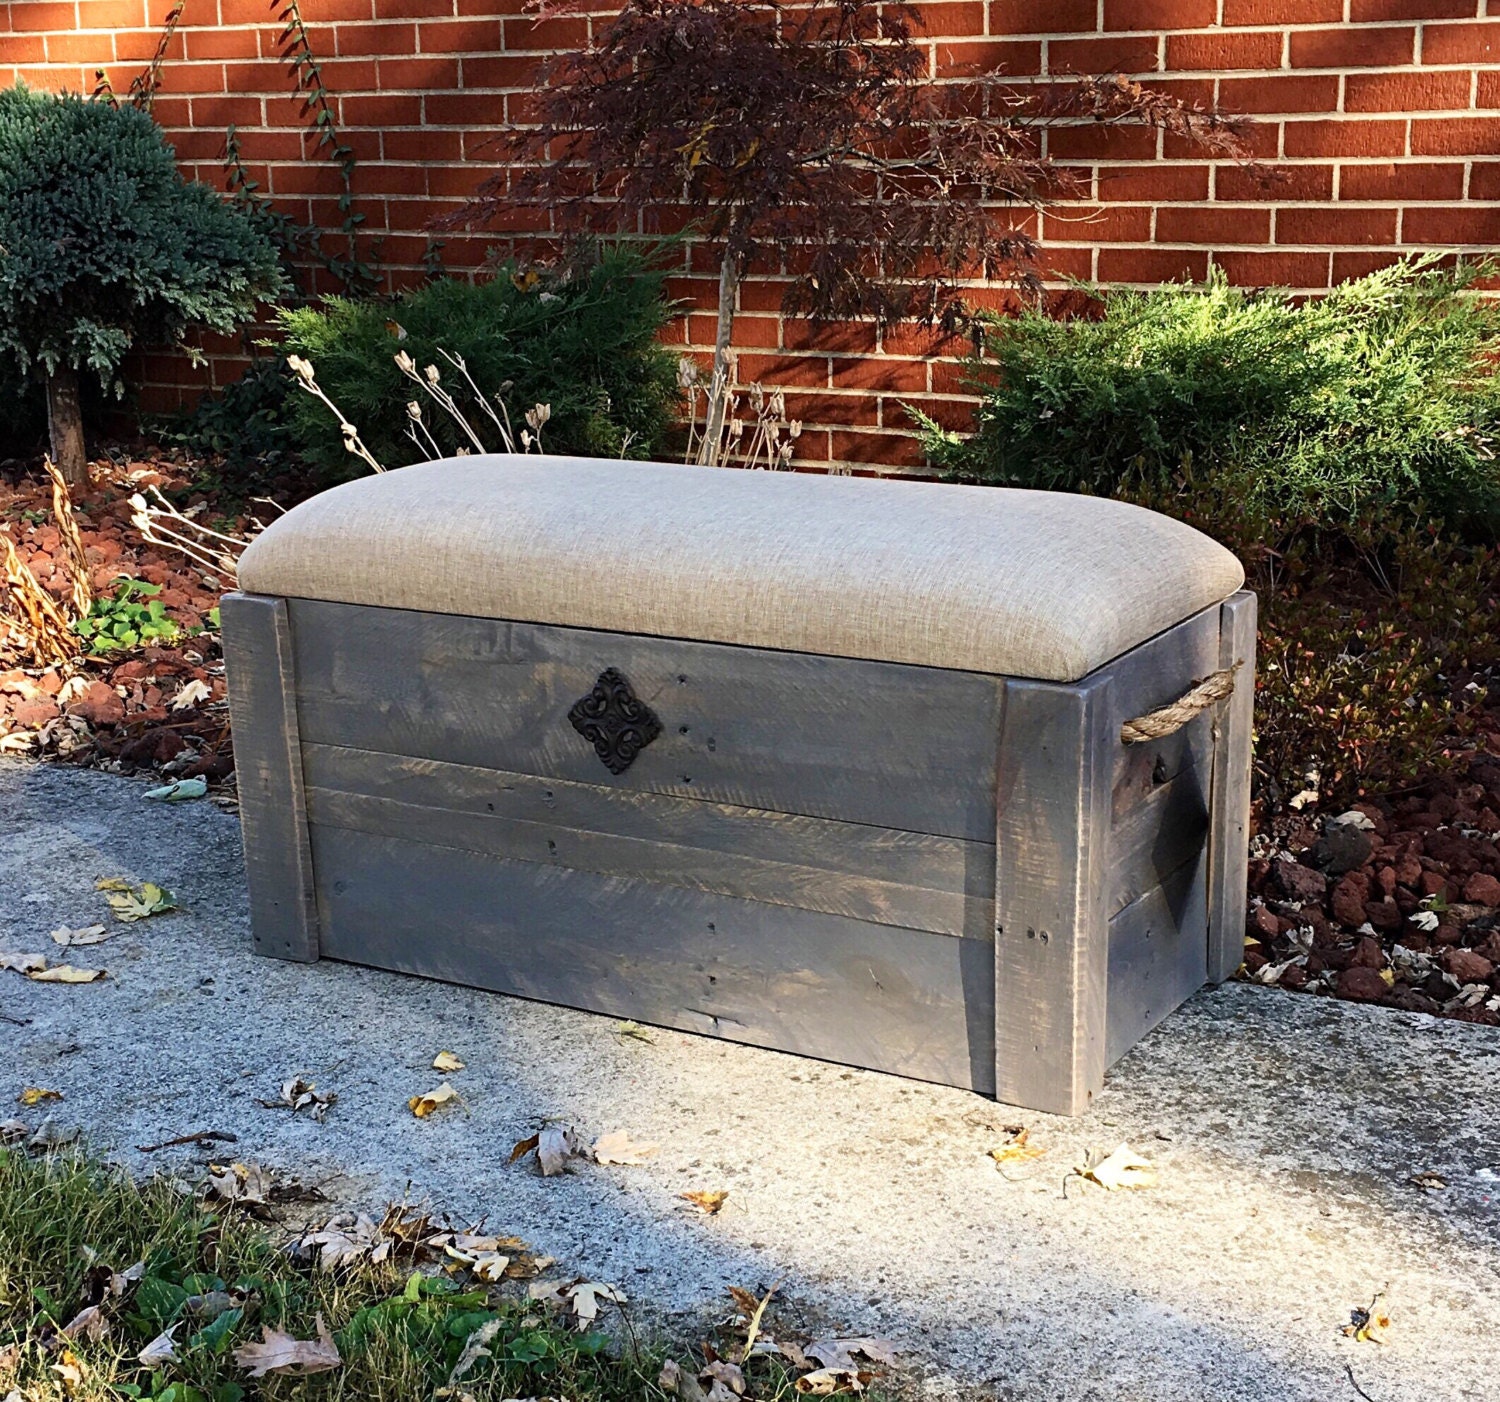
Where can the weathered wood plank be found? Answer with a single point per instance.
(908, 1002)
(268, 771)
(1155, 837)
(895, 878)
(1051, 888)
(908, 748)
(1156, 955)
(1230, 800)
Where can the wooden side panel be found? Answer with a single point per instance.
(912, 880)
(268, 770)
(1230, 804)
(1154, 837)
(903, 1001)
(909, 748)
(1157, 955)
(1051, 892)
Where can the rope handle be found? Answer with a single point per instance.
(1168, 719)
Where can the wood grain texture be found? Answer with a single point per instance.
(268, 771)
(895, 878)
(1157, 956)
(1156, 836)
(1229, 844)
(903, 1001)
(1057, 751)
(909, 748)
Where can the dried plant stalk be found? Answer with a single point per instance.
(46, 637)
(67, 525)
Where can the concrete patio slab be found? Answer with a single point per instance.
(1286, 1130)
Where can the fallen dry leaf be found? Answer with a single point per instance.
(475, 1348)
(721, 1373)
(1121, 1168)
(131, 903)
(1432, 1182)
(65, 973)
(343, 1240)
(1016, 1147)
(635, 1030)
(279, 1352)
(22, 963)
(1369, 1326)
(709, 1202)
(88, 1324)
(824, 1382)
(618, 1148)
(161, 1349)
(839, 1353)
(35, 1095)
(584, 1298)
(423, 1105)
(300, 1094)
(555, 1147)
(13, 1131)
(69, 1371)
(243, 1185)
(86, 934)
(446, 1061)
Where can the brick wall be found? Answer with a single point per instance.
(1383, 114)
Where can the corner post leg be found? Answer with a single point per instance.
(1229, 803)
(268, 769)
(1051, 935)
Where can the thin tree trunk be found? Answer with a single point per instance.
(713, 433)
(65, 426)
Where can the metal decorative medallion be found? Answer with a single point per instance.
(615, 721)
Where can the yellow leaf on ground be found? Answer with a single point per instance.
(34, 1095)
(1016, 1148)
(1370, 1326)
(423, 1105)
(446, 1061)
(65, 973)
(709, 1202)
(1122, 1168)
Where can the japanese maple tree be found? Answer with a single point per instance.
(807, 138)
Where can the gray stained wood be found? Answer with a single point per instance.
(268, 771)
(904, 1001)
(889, 745)
(1229, 846)
(1157, 956)
(894, 878)
(1051, 891)
(1156, 836)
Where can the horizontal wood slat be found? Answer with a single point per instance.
(894, 878)
(893, 746)
(909, 1002)
(1158, 955)
(1156, 836)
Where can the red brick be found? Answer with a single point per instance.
(77, 48)
(222, 43)
(850, 337)
(836, 409)
(805, 371)
(383, 110)
(887, 448)
(1246, 269)
(954, 414)
(1323, 227)
(1462, 224)
(1153, 182)
(23, 48)
(952, 18)
(1278, 93)
(1404, 180)
(1455, 136)
(1094, 141)
(1274, 184)
(1017, 58)
(876, 373)
(1283, 11)
(1371, 137)
(461, 36)
(1212, 224)
(424, 145)
(1260, 140)
(1098, 224)
(1484, 181)
(1446, 90)
(219, 111)
(43, 16)
(1461, 43)
(546, 35)
(112, 14)
(1160, 14)
(1152, 265)
(140, 45)
(1410, 9)
(501, 71)
(1134, 53)
(420, 74)
(1054, 17)
(358, 40)
(1349, 47)
(1223, 49)
(1487, 93)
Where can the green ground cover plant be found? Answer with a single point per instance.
(580, 336)
(71, 1227)
(130, 616)
(1345, 448)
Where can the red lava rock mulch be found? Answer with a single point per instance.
(1396, 902)
(152, 707)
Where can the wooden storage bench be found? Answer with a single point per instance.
(826, 764)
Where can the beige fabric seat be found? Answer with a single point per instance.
(1029, 584)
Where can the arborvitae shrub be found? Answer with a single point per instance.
(581, 337)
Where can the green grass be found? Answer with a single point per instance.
(67, 1223)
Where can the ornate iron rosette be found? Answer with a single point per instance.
(615, 721)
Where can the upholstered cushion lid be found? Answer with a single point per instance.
(1030, 584)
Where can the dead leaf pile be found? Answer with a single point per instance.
(131, 903)
(344, 1240)
(299, 1094)
(279, 1353)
